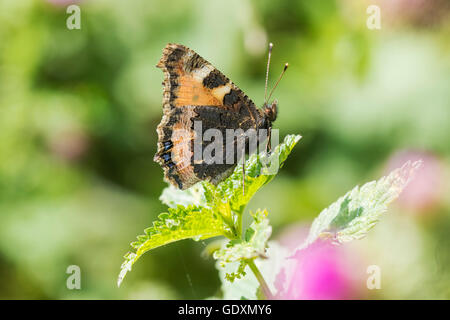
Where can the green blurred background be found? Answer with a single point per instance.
(79, 109)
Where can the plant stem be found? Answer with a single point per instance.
(239, 222)
(264, 287)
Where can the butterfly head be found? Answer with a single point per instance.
(271, 111)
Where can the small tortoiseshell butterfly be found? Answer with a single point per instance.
(196, 91)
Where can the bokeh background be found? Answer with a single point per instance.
(79, 109)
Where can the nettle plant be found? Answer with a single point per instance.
(205, 211)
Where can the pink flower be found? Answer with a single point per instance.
(321, 271)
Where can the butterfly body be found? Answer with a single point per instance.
(196, 92)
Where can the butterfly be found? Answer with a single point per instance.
(196, 92)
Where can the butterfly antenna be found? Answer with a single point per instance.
(267, 71)
(279, 79)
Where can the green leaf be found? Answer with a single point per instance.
(228, 196)
(172, 197)
(177, 224)
(247, 285)
(354, 214)
(255, 246)
(239, 273)
(205, 211)
(259, 170)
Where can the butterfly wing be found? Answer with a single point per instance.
(196, 91)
